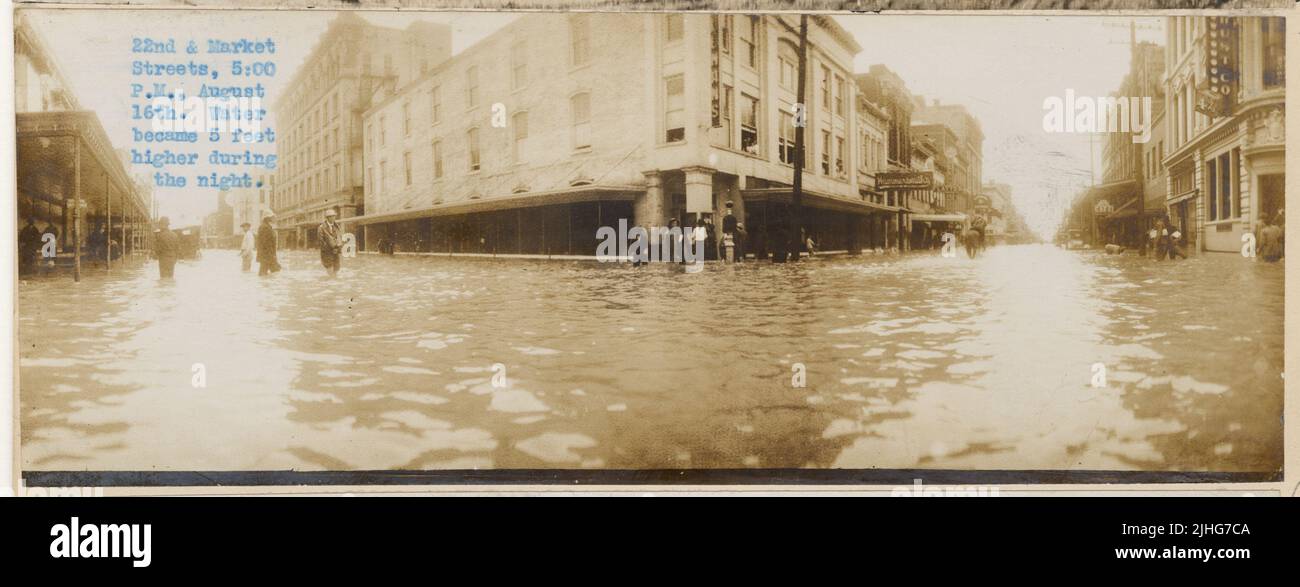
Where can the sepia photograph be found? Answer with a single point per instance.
(328, 247)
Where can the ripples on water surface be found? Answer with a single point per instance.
(918, 361)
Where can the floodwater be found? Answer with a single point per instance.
(408, 362)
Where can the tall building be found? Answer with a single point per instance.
(1225, 102)
(319, 116)
(886, 89)
(1122, 206)
(557, 124)
(964, 148)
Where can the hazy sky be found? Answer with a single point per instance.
(93, 47)
(999, 67)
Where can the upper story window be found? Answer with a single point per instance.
(406, 119)
(435, 99)
(839, 96)
(788, 64)
(579, 40)
(724, 33)
(437, 159)
(1273, 39)
(519, 65)
(383, 127)
(471, 142)
(580, 112)
(826, 87)
(749, 124)
(674, 27)
(785, 142)
(471, 86)
(519, 127)
(748, 34)
(675, 109)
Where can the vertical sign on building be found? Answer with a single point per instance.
(1221, 67)
(715, 73)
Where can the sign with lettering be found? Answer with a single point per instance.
(908, 180)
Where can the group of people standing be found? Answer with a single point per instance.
(262, 246)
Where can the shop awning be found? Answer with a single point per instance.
(1180, 197)
(815, 199)
(569, 195)
(939, 218)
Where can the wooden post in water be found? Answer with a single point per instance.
(796, 196)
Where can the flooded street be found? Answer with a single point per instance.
(911, 362)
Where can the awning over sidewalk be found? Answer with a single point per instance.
(956, 217)
(570, 195)
(815, 199)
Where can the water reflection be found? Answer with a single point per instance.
(918, 361)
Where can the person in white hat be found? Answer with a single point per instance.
(331, 243)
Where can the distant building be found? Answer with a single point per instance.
(964, 148)
(1121, 206)
(1225, 126)
(319, 116)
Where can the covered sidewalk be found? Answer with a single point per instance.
(70, 177)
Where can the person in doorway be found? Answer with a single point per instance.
(267, 263)
(29, 246)
(1176, 248)
(247, 248)
(1270, 242)
(733, 232)
(331, 243)
(167, 247)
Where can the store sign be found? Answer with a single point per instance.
(911, 180)
(1103, 208)
(716, 75)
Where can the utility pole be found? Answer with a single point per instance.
(796, 197)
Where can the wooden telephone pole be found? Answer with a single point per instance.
(796, 196)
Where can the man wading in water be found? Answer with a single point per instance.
(331, 243)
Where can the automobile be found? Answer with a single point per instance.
(1074, 239)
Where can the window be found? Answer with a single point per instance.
(471, 140)
(406, 166)
(727, 100)
(785, 142)
(519, 61)
(724, 33)
(839, 96)
(826, 152)
(839, 157)
(675, 109)
(787, 65)
(383, 172)
(471, 86)
(580, 111)
(383, 136)
(1273, 39)
(520, 128)
(406, 119)
(674, 28)
(1226, 176)
(1241, 197)
(437, 159)
(826, 87)
(435, 98)
(749, 41)
(749, 124)
(579, 40)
